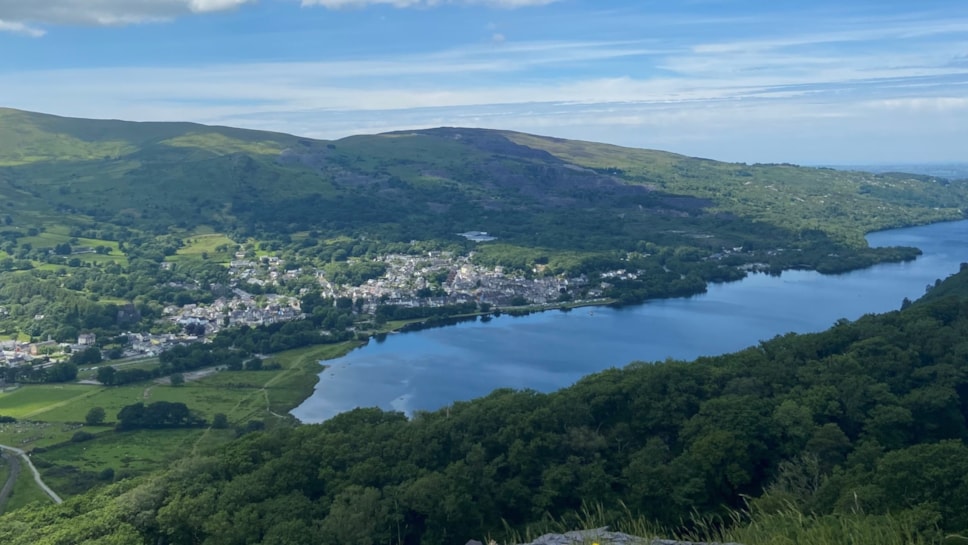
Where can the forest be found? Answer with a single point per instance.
(867, 418)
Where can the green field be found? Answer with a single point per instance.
(197, 246)
(132, 452)
(49, 415)
(55, 234)
(32, 401)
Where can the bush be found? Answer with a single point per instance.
(95, 416)
(220, 421)
(81, 436)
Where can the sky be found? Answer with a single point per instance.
(819, 82)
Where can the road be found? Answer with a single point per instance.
(40, 482)
(11, 479)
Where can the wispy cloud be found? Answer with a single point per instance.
(479, 76)
(864, 33)
(106, 12)
(336, 4)
(20, 28)
(22, 16)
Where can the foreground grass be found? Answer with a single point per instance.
(788, 526)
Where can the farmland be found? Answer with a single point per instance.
(49, 415)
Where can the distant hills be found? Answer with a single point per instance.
(951, 171)
(525, 189)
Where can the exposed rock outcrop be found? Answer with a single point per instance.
(601, 536)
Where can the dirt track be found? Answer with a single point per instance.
(7, 489)
(26, 459)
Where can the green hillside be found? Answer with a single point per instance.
(837, 202)
(532, 190)
(28, 137)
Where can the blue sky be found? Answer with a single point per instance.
(820, 82)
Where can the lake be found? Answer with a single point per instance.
(429, 369)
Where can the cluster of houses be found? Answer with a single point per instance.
(15, 353)
(455, 279)
(241, 309)
(268, 271)
(450, 279)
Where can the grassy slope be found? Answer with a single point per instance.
(146, 170)
(57, 170)
(28, 137)
(788, 195)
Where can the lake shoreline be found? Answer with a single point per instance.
(433, 358)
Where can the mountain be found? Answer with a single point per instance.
(529, 190)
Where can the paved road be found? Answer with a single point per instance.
(11, 479)
(40, 482)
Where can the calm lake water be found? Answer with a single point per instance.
(429, 369)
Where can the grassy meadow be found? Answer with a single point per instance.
(205, 246)
(49, 415)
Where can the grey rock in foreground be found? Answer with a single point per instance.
(602, 536)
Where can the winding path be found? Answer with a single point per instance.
(11, 478)
(40, 482)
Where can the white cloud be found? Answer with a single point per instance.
(336, 4)
(921, 104)
(22, 16)
(104, 12)
(202, 6)
(20, 28)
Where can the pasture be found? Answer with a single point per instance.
(49, 416)
(206, 246)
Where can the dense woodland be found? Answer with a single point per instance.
(867, 417)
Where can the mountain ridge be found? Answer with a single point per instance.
(562, 206)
